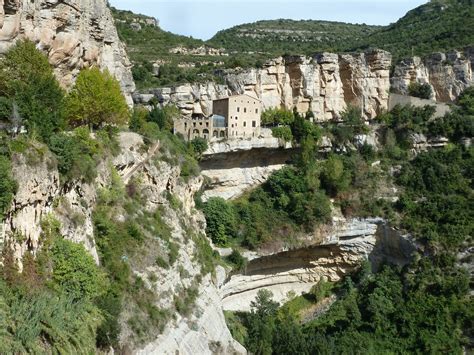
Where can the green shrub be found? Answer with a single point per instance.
(237, 260)
(75, 271)
(76, 153)
(164, 116)
(283, 133)
(8, 186)
(422, 91)
(199, 146)
(27, 79)
(220, 219)
(275, 116)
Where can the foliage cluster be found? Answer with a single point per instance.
(49, 307)
(422, 91)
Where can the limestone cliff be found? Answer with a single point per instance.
(74, 34)
(448, 74)
(324, 84)
(41, 193)
(346, 244)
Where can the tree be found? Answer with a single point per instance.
(199, 145)
(164, 116)
(74, 270)
(334, 178)
(96, 99)
(27, 79)
(220, 218)
(261, 323)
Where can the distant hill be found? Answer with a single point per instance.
(145, 40)
(439, 25)
(294, 37)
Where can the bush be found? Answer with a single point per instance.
(76, 153)
(220, 218)
(237, 260)
(27, 78)
(283, 133)
(334, 177)
(75, 271)
(96, 100)
(199, 146)
(275, 116)
(422, 91)
(164, 116)
(8, 186)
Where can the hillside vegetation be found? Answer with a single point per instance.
(439, 25)
(293, 37)
(423, 307)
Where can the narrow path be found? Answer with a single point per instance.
(151, 152)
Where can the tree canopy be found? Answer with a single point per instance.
(96, 100)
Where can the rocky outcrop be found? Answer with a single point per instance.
(324, 84)
(345, 247)
(265, 140)
(40, 193)
(230, 174)
(200, 51)
(74, 34)
(448, 74)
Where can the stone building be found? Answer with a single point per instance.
(201, 126)
(237, 116)
(242, 114)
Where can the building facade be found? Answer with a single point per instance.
(237, 116)
(242, 114)
(201, 126)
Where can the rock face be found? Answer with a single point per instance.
(40, 194)
(231, 174)
(349, 243)
(74, 34)
(448, 74)
(324, 84)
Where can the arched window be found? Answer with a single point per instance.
(215, 134)
(205, 133)
(196, 132)
(222, 134)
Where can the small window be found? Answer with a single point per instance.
(254, 124)
(256, 110)
(245, 124)
(185, 125)
(238, 109)
(245, 109)
(207, 124)
(194, 124)
(200, 123)
(236, 117)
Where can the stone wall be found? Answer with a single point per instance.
(74, 34)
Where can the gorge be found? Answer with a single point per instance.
(119, 237)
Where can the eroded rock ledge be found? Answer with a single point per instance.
(342, 252)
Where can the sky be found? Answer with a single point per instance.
(202, 19)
